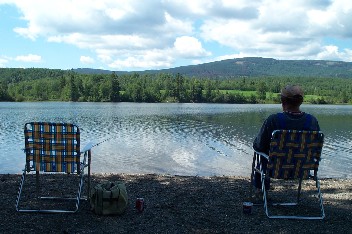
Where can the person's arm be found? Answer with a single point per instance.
(316, 124)
(311, 123)
(262, 141)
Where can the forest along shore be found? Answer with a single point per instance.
(41, 84)
(178, 204)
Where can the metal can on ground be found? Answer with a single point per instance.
(140, 204)
(247, 207)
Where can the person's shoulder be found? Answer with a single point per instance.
(311, 116)
(314, 124)
(276, 115)
(272, 117)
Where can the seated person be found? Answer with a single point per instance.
(292, 118)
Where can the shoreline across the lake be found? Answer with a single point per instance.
(178, 204)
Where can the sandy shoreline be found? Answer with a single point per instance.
(179, 204)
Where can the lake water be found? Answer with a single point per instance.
(171, 138)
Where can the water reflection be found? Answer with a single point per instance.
(186, 139)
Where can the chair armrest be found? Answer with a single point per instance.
(88, 147)
(262, 154)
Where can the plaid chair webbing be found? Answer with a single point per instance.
(52, 147)
(294, 153)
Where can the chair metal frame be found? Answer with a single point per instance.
(54, 148)
(309, 162)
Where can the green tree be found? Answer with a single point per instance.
(208, 91)
(196, 93)
(261, 90)
(115, 88)
(105, 91)
(41, 90)
(179, 91)
(4, 94)
(74, 95)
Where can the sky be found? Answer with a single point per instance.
(137, 35)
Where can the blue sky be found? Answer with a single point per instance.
(133, 35)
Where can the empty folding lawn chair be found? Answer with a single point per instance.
(53, 150)
(294, 155)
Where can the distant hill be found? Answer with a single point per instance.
(252, 67)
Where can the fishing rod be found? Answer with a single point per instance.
(90, 144)
(102, 142)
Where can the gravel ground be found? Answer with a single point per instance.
(180, 204)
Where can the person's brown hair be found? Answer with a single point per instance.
(292, 95)
(293, 101)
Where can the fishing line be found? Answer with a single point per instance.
(102, 142)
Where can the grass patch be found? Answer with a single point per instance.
(244, 93)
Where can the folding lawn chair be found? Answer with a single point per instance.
(294, 155)
(54, 148)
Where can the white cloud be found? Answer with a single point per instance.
(3, 61)
(151, 34)
(86, 60)
(284, 32)
(29, 58)
(189, 47)
(144, 59)
(332, 52)
(104, 56)
(200, 9)
(334, 20)
(119, 12)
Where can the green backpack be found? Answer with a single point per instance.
(109, 198)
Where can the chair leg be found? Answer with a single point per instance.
(20, 189)
(254, 178)
(265, 200)
(37, 183)
(252, 175)
(299, 190)
(320, 196)
(77, 198)
(89, 162)
(266, 209)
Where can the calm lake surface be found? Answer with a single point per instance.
(171, 138)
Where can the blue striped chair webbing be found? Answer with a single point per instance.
(294, 153)
(52, 147)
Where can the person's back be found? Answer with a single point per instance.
(284, 120)
(292, 118)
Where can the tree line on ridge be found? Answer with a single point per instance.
(38, 84)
